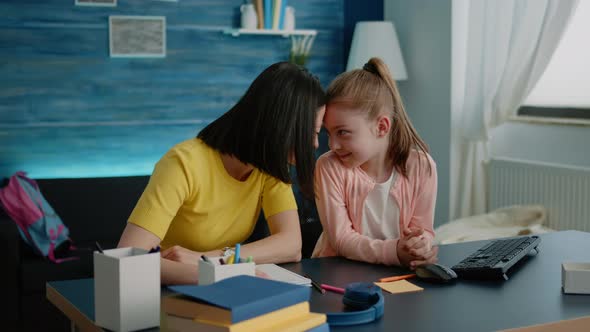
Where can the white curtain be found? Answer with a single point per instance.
(509, 44)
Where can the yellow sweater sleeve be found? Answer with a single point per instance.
(277, 197)
(168, 188)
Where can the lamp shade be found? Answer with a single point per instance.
(376, 39)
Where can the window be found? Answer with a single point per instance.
(563, 91)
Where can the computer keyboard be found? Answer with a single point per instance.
(494, 259)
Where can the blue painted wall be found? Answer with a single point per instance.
(69, 110)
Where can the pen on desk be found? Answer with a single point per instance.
(316, 285)
(237, 252)
(396, 278)
(99, 247)
(333, 289)
(205, 258)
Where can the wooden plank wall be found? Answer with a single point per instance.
(69, 110)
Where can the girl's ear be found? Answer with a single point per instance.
(383, 125)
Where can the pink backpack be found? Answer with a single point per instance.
(38, 224)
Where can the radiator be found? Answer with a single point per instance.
(563, 190)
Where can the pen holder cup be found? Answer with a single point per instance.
(127, 289)
(212, 271)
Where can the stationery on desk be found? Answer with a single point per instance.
(334, 289)
(214, 269)
(400, 286)
(126, 280)
(315, 285)
(397, 278)
(237, 254)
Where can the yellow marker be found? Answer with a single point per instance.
(231, 259)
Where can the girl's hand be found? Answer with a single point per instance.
(417, 244)
(414, 249)
(182, 255)
(429, 258)
(403, 245)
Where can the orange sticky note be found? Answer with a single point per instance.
(400, 286)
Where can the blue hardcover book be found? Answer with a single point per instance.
(268, 13)
(282, 15)
(245, 297)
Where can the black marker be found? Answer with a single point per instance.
(316, 285)
(99, 247)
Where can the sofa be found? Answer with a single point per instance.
(94, 209)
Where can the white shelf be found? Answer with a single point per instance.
(284, 33)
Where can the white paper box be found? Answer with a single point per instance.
(575, 278)
(127, 289)
(212, 271)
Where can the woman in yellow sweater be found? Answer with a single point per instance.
(206, 193)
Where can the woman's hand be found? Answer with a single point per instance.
(414, 249)
(182, 255)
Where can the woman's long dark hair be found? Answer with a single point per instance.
(274, 118)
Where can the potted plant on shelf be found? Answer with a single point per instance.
(300, 48)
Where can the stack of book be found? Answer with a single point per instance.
(241, 303)
(270, 13)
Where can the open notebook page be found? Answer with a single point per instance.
(278, 273)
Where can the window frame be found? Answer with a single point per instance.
(564, 112)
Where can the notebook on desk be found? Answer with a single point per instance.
(278, 273)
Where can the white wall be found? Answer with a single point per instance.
(552, 143)
(424, 32)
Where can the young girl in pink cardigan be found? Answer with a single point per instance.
(376, 188)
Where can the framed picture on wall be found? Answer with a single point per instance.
(107, 3)
(137, 36)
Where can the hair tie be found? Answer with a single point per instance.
(370, 68)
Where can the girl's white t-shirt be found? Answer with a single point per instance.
(381, 212)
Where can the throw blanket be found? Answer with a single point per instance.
(504, 222)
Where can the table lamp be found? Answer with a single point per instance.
(376, 39)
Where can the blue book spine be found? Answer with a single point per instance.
(268, 14)
(282, 15)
